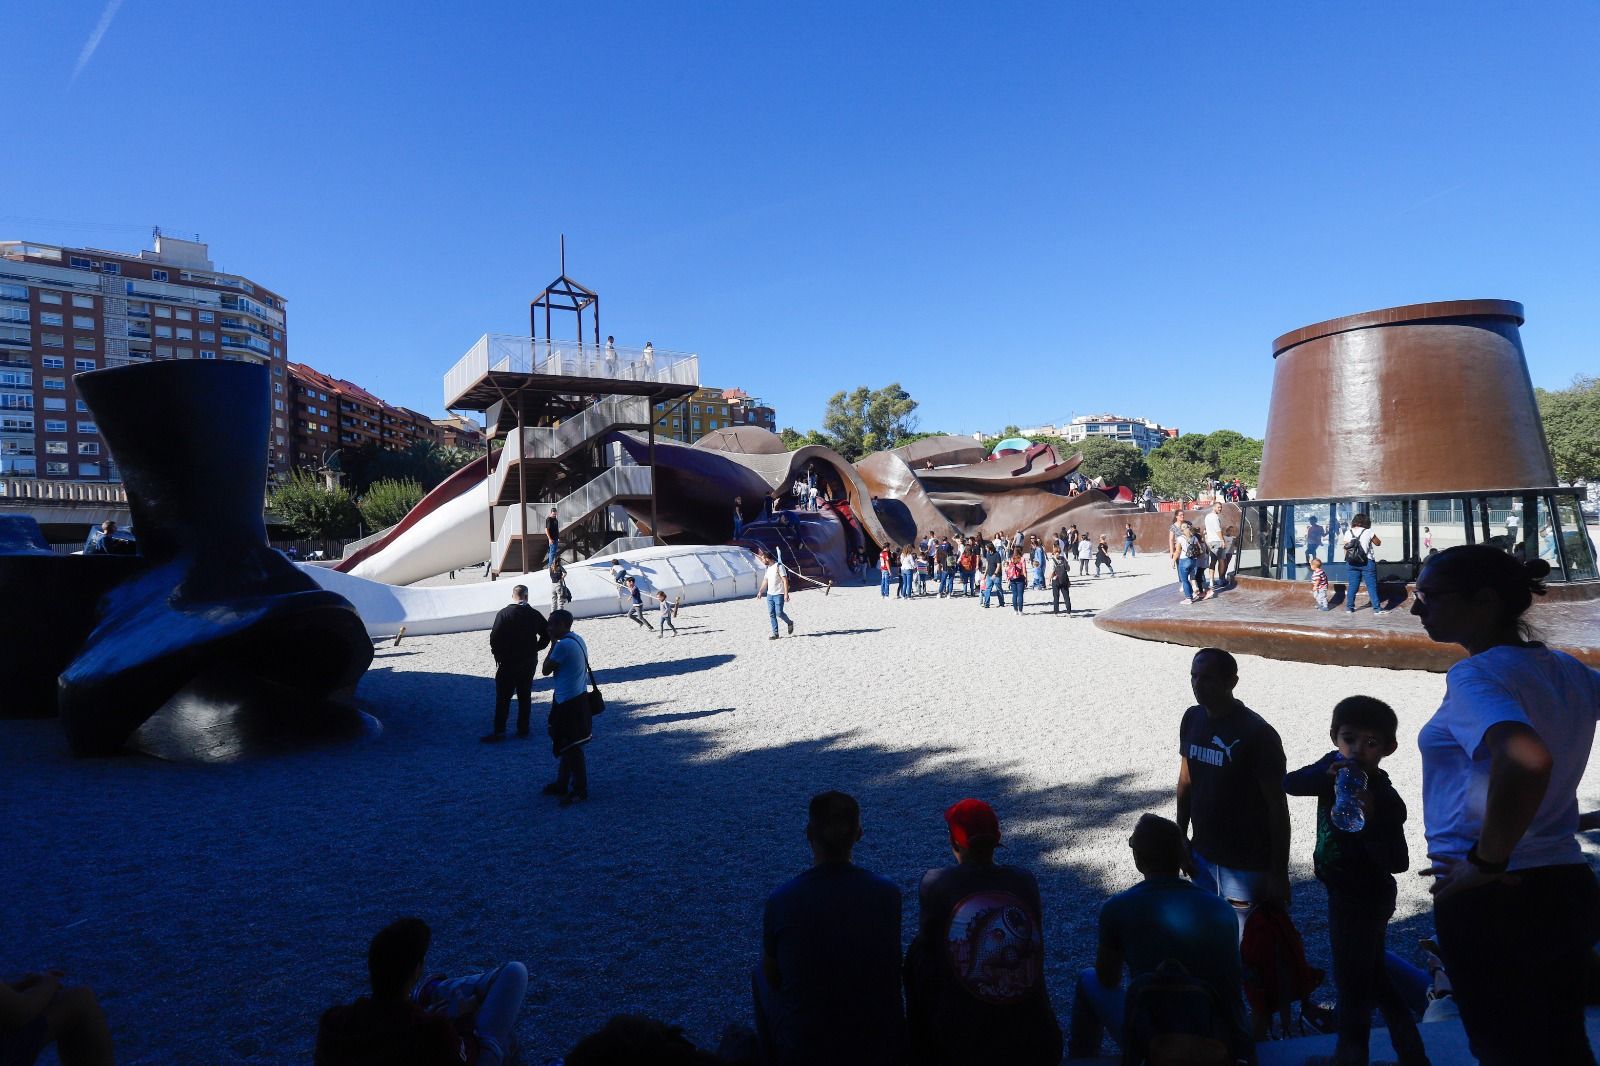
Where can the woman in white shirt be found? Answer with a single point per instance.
(1361, 533)
(1515, 905)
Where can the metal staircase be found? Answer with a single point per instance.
(549, 446)
(614, 484)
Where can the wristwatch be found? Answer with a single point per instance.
(1483, 864)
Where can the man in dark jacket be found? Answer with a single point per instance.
(444, 1022)
(519, 633)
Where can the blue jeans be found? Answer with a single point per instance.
(1241, 888)
(1128, 549)
(1016, 594)
(1188, 568)
(738, 525)
(966, 582)
(496, 997)
(907, 577)
(991, 587)
(551, 553)
(947, 583)
(1369, 574)
(883, 584)
(775, 612)
(1095, 1009)
(1360, 974)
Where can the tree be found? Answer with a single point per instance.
(386, 502)
(1118, 462)
(1191, 447)
(1241, 460)
(868, 420)
(1224, 453)
(1011, 431)
(794, 440)
(313, 510)
(1571, 418)
(424, 462)
(1176, 478)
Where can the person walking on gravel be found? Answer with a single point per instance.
(775, 587)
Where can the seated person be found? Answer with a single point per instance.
(975, 990)
(1163, 919)
(36, 1011)
(409, 1021)
(828, 987)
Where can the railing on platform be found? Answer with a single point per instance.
(614, 483)
(506, 353)
(553, 444)
(20, 488)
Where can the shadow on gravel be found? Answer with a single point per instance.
(685, 716)
(838, 632)
(616, 675)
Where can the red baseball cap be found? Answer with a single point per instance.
(970, 820)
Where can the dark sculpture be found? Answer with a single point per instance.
(238, 646)
(1423, 417)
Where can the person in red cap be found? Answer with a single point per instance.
(975, 990)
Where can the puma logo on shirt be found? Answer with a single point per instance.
(1211, 756)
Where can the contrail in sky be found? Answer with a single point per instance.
(94, 39)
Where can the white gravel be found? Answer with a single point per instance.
(218, 909)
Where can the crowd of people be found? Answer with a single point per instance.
(1203, 554)
(996, 570)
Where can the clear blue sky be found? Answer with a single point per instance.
(1016, 212)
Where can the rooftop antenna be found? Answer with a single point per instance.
(563, 254)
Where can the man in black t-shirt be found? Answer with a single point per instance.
(552, 533)
(1230, 789)
(828, 987)
(975, 990)
(520, 632)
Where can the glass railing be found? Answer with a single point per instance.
(504, 353)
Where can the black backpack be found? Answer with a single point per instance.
(1175, 1019)
(1354, 553)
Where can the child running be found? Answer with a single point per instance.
(1361, 845)
(1319, 583)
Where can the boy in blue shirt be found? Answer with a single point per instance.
(1358, 866)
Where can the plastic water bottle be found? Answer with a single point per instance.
(1347, 814)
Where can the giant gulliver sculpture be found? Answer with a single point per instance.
(207, 621)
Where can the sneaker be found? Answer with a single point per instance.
(1379, 610)
(1185, 601)
(554, 788)
(773, 637)
(492, 738)
(791, 629)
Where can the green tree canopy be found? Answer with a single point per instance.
(386, 502)
(424, 462)
(1118, 462)
(1571, 419)
(1174, 477)
(1225, 453)
(869, 420)
(794, 440)
(312, 510)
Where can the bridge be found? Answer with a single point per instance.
(65, 510)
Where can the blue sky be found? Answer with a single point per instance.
(1017, 212)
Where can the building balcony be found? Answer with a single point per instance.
(250, 345)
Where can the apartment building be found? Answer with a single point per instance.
(65, 310)
(747, 410)
(1140, 432)
(329, 413)
(709, 409)
(457, 431)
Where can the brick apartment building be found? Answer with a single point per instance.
(710, 409)
(328, 413)
(459, 432)
(68, 310)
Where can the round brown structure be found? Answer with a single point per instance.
(1426, 398)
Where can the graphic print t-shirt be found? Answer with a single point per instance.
(1229, 759)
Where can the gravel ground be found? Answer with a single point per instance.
(218, 909)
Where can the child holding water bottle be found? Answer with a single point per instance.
(1361, 845)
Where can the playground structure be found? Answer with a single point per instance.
(1423, 418)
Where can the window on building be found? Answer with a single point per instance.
(207, 355)
(55, 384)
(163, 312)
(208, 336)
(88, 469)
(57, 469)
(9, 291)
(55, 447)
(278, 422)
(185, 315)
(111, 268)
(55, 403)
(88, 447)
(207, 316)
(83, 364)
(83, 301)
(277, 405)
(88, 427)
(80, 407)
(185, 334)
(158, 275)
(163, 351)
(53, 362)
(78, 262)
(47, 318)
(164, 332)
(83, 344)
(49, 297)
(55, 425)
(83, 322)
